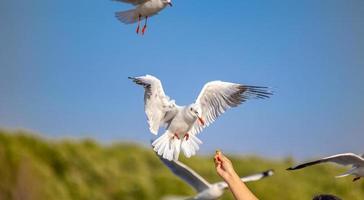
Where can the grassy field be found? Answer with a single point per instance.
(35, 168)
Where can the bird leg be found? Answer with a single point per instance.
(145, 25)
(187, 136)
(175, 136)
(137, 30)
(356, 178)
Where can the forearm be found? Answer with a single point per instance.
(239, 189)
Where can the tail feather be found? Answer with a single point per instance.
(177, 149)
(169, 148)
(166, 146)
(127, 17)
(190, 146)
(162, 146)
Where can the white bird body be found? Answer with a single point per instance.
(143, 9)
(183, 123)
(356, 161)
(205, 190)
(150, 8)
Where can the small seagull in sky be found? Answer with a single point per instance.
(143, 9)
(183, 123)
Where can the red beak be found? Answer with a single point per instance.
(202, 122)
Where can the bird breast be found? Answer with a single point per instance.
(151, 7)
(182, 123)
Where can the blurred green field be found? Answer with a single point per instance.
(35, 168)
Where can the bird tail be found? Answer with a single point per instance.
(127, 17)
(190, 145)
(167, 146)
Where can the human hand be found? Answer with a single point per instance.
(224, 167)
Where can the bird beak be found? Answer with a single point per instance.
(202, 122)
(170, 4)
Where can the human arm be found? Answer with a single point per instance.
(226, 171)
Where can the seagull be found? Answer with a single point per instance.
(206, 190)
(143, 10)
(356, 161)
(182, 123)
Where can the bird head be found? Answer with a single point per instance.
(169, 2)
(196, 111)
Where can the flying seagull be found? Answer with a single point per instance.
(205, 190)
(356, 161)
(143, 9)
(182, 123)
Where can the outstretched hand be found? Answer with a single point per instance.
(224, 167)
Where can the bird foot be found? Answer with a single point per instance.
(144, 28)
(175, 136)
(187, 136)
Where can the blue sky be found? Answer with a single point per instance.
(64, 68)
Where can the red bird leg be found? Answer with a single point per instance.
(187, 136)
(137, 30)
(175, 136)
(145, 25)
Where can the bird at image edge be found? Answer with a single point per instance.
(143, 9)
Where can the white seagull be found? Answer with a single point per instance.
(356, 161)
(206, 190)
(182, 123)
(143, 9)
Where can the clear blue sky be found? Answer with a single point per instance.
(64, 68)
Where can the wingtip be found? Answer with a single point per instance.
(269, 172)
(290, 169)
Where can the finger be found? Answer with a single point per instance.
(215, 158)
(224, 158)
(218, 164)
(218, 156)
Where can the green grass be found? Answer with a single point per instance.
(35, 168)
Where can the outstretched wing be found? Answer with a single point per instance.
(258, 176)
(134, 2)
(341, 159)
(158, 107)
(250, 178)
(217, 96)
(186, 174)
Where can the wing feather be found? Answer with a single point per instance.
(158, 107)
(250, 178)
(186, 174)
(218, 96)
(341, 159)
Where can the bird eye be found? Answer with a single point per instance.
(190, 109)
